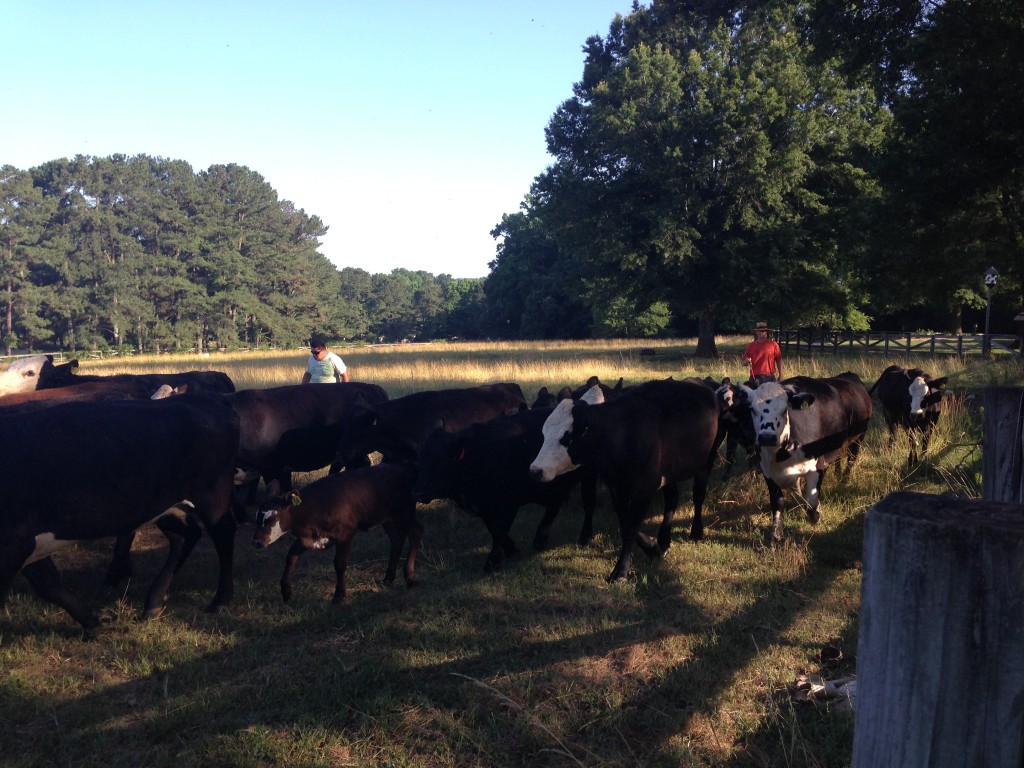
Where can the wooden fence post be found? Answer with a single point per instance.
(940, 656)
(1001, 476)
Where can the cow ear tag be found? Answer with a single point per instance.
(293, 499)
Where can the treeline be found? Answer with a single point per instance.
(828, 164)
(144, 254)
(834, 163)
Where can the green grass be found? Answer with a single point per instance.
(690, 663)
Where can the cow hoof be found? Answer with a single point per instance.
(152, 613)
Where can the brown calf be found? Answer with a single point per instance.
(332, 509)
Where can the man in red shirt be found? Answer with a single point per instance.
(763, 356)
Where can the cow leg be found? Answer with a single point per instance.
(776, 497)
(340, 564)
(414, 532)
(396, 538)
(588, 497)
(223, 535)
(543, 534)
(121, 562)
(498, 523)
(176, 529)
(289, 569)
(812, 488)
(700, 492)
(631, 514)
(913, 459)
(45, 580)
(14, 551)
(670, 495)
(720, 437)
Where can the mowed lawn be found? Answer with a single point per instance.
(693, 662)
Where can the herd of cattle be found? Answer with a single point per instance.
(90, 457)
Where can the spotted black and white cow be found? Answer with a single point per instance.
(912, 400)
(650, 438)
(803, 425)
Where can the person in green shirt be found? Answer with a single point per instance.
(323, 366)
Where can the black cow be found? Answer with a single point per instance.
(198, 382)
(122, 464)
(485, 469)
(287, 429)
(296, 428)
(803, 425)
(398, 427)
(653, 436)
(912, 400)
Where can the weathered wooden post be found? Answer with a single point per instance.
(1001, 475)
(940, 657)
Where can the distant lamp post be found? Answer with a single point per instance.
(991, 278)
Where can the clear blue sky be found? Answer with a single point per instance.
(409, 127)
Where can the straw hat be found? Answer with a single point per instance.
(762, 327)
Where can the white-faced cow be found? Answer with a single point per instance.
(912, 401)
(485, 470)
(121, 464)
(652, 437)
(803, 425)
(30, 373)
(396, 429)
(735, 427)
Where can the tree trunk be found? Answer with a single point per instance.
(956, 319)
(706, 347)
(9, 319)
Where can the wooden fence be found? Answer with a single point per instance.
(894, 343)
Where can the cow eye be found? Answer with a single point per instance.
(566, 439)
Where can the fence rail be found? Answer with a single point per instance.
(894, 343)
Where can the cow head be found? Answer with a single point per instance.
(553, 458)
(769, 408)
(24, 374)
(925, 392)
(273, 520)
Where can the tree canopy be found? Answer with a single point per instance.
(798, 162)
(143, 253)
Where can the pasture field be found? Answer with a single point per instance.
(691, 663)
